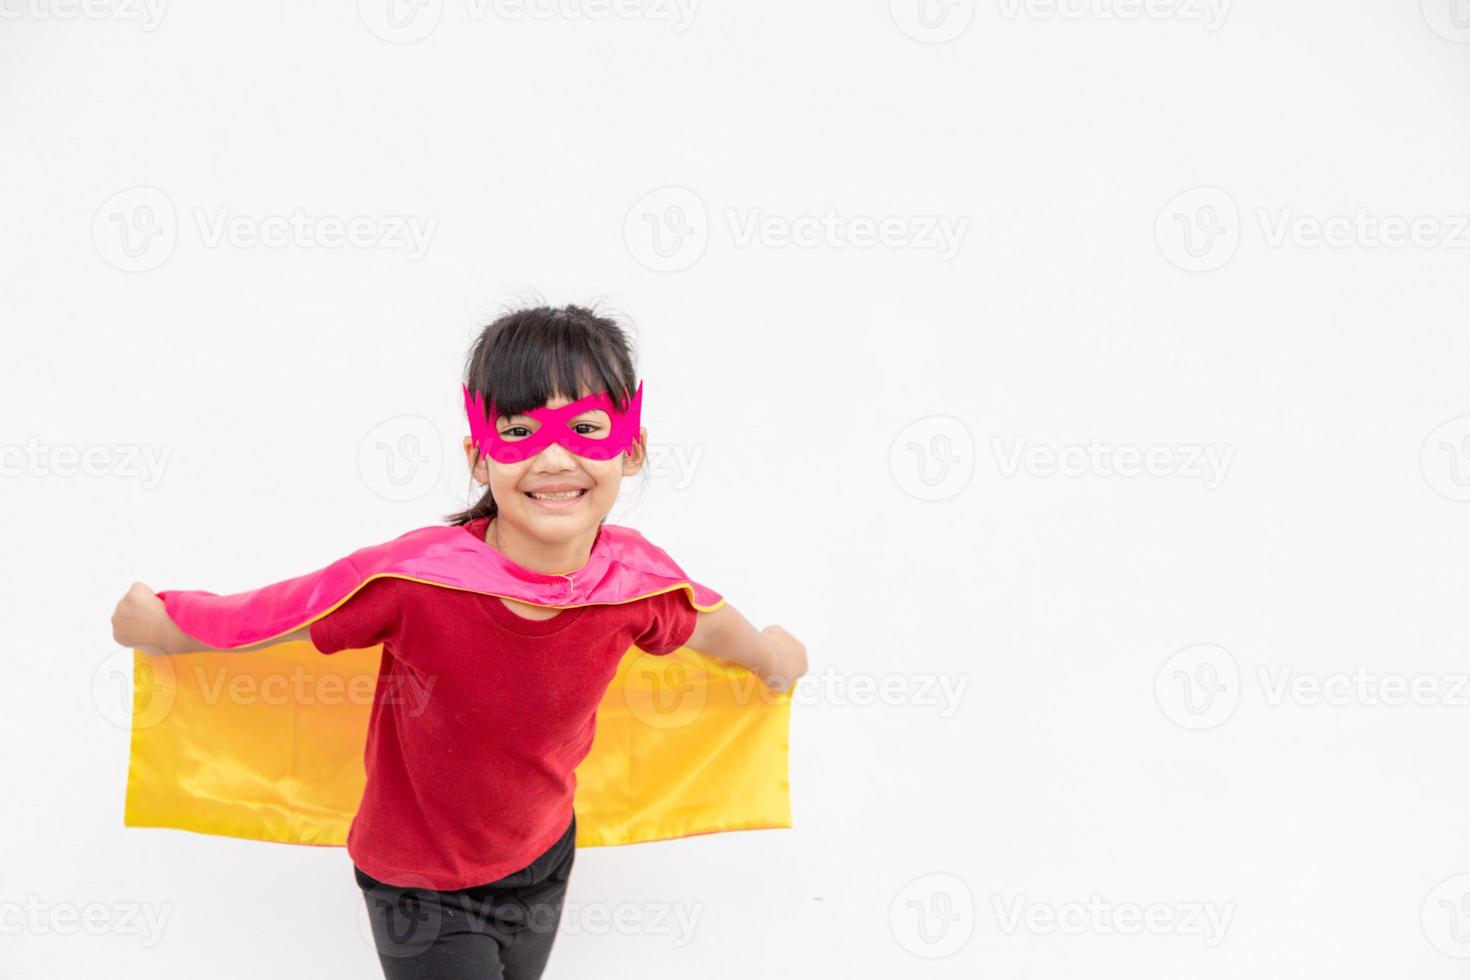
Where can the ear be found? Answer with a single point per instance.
(636, 454)
(479, 465)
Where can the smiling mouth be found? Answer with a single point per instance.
(562, 495)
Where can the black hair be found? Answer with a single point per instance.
(528, 356)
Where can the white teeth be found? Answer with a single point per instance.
(563, 495)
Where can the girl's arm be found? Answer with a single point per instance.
(772, 654)
(140, 621)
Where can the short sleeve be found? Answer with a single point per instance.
(366, 619)
(671, 622)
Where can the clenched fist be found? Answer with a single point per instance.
(137, 620)
(790, 659)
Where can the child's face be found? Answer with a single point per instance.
(556, 468)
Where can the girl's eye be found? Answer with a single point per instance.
(587, 428)
(515, 432)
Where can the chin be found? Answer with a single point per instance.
(560, 527)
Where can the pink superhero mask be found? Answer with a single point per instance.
(554, 426)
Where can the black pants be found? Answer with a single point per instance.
(499, 931)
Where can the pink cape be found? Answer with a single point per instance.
(685, 743)
(622, 567)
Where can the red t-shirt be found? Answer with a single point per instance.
(479, 719)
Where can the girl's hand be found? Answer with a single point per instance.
(138, 619)
(772, 654)
(788, 662)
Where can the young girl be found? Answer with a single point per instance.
(465, 837)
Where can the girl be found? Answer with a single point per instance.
(465, 838)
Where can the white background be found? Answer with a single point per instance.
(850, 410)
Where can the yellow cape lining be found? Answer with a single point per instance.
(268, 744)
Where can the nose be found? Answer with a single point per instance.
(553, 459)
